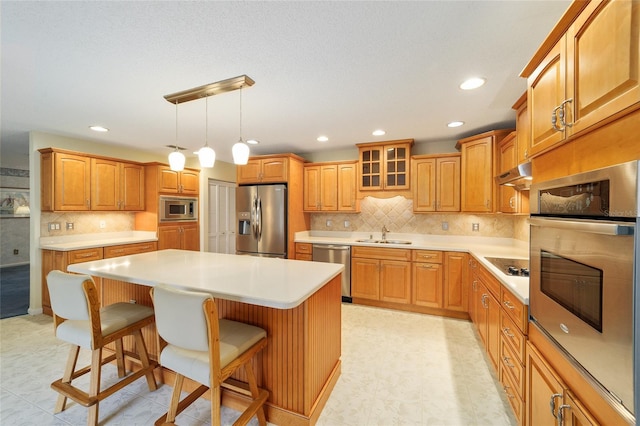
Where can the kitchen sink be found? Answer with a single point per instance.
(368, 240)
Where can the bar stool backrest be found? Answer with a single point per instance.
(67, 295)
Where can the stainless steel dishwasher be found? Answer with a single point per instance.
(334, 253)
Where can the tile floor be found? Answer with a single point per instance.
(397, 369)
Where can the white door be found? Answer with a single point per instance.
(222, 211)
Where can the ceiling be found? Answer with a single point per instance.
(340, 69)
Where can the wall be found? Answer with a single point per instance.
(397, 215)
(14, 231)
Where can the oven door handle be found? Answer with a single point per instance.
(593, 227)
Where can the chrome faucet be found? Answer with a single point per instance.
(384, 232)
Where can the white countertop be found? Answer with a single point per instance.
(479, 247)
(276, 283)
(104, 239)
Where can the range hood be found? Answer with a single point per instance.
(518, 177)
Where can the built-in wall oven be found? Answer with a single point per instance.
(584, 277)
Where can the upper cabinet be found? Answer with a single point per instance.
(385, 165)
(185, 182)
(478, 187)
(266, 169)
(116, 185)
(73, 181)
(330, 187)
(523, 130)
(589, 75)
(436, 183)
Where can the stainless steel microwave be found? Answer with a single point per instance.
(178, 209)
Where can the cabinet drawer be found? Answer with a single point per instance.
(489, 281)
(127, 249)
(514, 368)
(85, 255)
(304, 256)
(305, 248)
(516, 310)
(516, 403)
(512, 335)
(428, 256)
(381, 253)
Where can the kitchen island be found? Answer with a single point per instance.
(298, 304)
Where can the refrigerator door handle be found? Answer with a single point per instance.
(259, 217)
(254, 219)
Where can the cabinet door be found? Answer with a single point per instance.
(105, 184)
(424, 185)
(132, 187)
(250, 172)
(493, 330)
(169, 237)
(189, 182)
(574, 413)
(274, 170)
(371, 163)
(190, 237)
(523, 131)
(544, 390)
(477, 175)
(329, 187)
(396, 166)
(427, 285)
(474, 296)
(51, 260)
(546, 91)
(448, 184)
(395, 281)
(168, 180)
(347, 187)
(455, 281)
(72, 182)
(365, 278)
(507, 153)
(311, 193)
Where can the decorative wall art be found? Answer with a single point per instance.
(14, 202)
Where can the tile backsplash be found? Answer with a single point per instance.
(397, 215)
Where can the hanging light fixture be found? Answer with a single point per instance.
(176, 158)
(240, 150)
(206, 154)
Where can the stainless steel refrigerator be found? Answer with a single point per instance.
(261, 212)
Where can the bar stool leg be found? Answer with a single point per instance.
(69, 369)
(94, 385)
(120, 358)
(141, 348)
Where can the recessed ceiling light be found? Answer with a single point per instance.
(253, 142)
(472, 83)
(455, 124)
(98, 129)
(322, 139)
(379, 132)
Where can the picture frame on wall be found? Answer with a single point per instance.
(14, 202)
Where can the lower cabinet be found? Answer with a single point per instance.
(304, 251)
(381, 274)
(486, 310)
(179, 236)
(550, 402)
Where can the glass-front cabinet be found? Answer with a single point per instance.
(385, 165)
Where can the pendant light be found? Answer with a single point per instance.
(206, 154)
(240, 150)
(176, 158)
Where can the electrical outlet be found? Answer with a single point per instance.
(329, 223)
(475, 226)
(54, 226)
(69, 225)
(347, 224)
(445, 226)
(16, 251)
(103, 224)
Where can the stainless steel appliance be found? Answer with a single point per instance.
(178, 209)
(508, 266)
(583, 285)
(261, 212)
(334, 253)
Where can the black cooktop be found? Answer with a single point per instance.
(515, 267)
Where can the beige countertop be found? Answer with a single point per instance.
(104, 239)
(479, 247)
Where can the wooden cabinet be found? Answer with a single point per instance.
(484, 295)
(435, 183)
(65, 181)
(185, 182)
(427, 279)
(129, 249)
(264, 169)
(478, 188)
(183, 236)
(304, 251)
(523, 129)
(381, 274)
(549, 401)
(59, 260)
(589, 75)
(510, 200)
(116, 185)
(455, 281)
(384, 165)
(330, 187)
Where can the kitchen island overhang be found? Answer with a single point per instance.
(298, 303)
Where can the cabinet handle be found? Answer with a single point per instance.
(428, 256)
(552, 403)
(483, 300)
(561, 113)
(488, 203)
(509, 305)
(526, 153)
(88, 203)
(474, 285)
(561, 414)
(512, 202)
(507, 363)
(86, 255)
(119, 251)
(554, 119)
(506, 331)
(423, 266)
